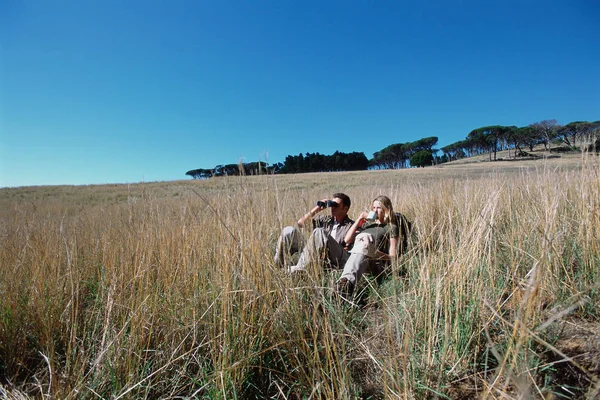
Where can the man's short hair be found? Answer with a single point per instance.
(344, 197)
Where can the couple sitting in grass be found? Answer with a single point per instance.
(368, 244)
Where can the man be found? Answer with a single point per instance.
(326, 239)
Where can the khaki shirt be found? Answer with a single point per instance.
(326, 222)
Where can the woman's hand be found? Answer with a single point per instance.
(349, 238)
(380, 255)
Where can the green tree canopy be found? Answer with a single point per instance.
(421, 158)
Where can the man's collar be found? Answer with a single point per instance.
(342, 220)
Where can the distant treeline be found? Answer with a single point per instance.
(494, 138)
(315, 162)
(421, 153)
(402, 155)
(253, 168)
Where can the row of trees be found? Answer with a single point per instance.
(316, 162)
(402, 155)
(309, 162)
(252, 168)
(494, 138)
(421, 153)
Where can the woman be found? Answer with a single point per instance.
(375, 244)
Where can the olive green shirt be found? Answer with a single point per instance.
(382, 233)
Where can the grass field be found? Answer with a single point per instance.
(168, 290)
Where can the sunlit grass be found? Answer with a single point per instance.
(169, 289)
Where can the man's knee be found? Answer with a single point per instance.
(319, 236)
(319, 232)
(288, 231)
(291, 234)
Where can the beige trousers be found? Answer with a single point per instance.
(361, 259)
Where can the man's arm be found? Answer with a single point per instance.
(309, 215)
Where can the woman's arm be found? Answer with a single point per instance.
(351, 234)
(391, 254)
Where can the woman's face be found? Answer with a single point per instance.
(379, 210)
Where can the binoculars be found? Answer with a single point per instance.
(328, 203)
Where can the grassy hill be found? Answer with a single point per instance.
(163, 290)
(558, 152)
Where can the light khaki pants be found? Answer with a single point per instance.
(290, 242)
(320, 249)
(361, 259)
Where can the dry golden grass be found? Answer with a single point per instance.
(163, 290)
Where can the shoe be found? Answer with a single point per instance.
(344, 288)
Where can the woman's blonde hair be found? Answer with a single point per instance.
(387, 207)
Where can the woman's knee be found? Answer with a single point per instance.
(363, 244)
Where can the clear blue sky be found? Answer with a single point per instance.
(107, 91)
